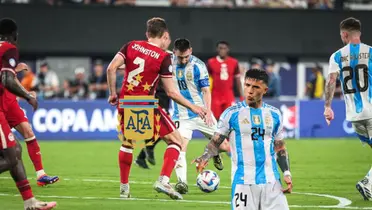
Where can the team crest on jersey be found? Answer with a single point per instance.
(11, 137)
(256, 119)
(180, 73)
(12, 62)
(189, 76)
(138, 122)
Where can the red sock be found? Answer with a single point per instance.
(125, 162)
(34, 153)
(170, 159)
(25, 189)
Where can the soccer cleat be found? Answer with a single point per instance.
(217, 162)
(181, 187)
(39, 205)
(168, 190)
(150, 156)
(142, 163)
(124, 194)
(364, 187)
(45, 180)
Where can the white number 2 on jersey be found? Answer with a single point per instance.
(141, 67)
(224, 75)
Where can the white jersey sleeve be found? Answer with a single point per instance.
(223, 125)
(279, 135)
(333, 66)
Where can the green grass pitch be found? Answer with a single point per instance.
(90, 177)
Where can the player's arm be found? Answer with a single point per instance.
(115, 64)
(204, 84)
(9, 79)
(238, 81)
(212, 148)
(330, 88)
(282, 155)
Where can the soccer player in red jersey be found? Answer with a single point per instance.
(224, 70)
(10, 88)
(145, 62)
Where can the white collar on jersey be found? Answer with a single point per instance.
(219, 59)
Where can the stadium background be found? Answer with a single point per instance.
(74, 36)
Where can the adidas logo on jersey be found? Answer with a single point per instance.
(245, 121)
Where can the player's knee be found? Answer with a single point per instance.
(18, 148)
(11, 158)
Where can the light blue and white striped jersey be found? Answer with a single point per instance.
(354, 64)
(189, 79)
(252, 133)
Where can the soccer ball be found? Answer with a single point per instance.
(208, 181)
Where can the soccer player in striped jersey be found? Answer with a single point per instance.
(254, 129)
(353, 65)
(192, 79)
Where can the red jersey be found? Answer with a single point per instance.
(144, 63)
(223, 73)
(8, 62)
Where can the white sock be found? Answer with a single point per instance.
(181, 168)
(163, 179)
(40, 173)
(124, 187)
(369, 174)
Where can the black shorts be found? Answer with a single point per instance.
(164, 100)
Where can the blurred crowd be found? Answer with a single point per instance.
(300, 4)
(83, 84)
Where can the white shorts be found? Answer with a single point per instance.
(187, 127)
(259, 197)
(363, 128)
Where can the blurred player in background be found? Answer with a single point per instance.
(224, 71)
(255, 132)
(145, 62)
(147, 153)
(191, 78)
(10, 150)
(353, 64)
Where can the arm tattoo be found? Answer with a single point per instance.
(212, 148)
(282, 155)
(111, 80)
(330, 88)
(12, 85)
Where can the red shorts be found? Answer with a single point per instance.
(219, 105)
(15, 115)
(6, 136)
(167, 126)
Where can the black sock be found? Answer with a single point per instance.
(142, 155)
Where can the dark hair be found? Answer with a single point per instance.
(8, 27)
(351, 24)
(222, 42)
(156, 27)
(182, 44)
(257, 74)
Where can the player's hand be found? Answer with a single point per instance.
(33, 93)
(209, 119)
(21, 67)
(328, 115)
(202, 112)
(288, 181)
(33, 102)
(200, 164)
(113, 99)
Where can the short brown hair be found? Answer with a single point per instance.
(351, 24)
(156, 27)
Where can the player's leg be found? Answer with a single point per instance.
(8, 156)
(150, 152)
(125, 159)
(18, 174)
(363, 129)
(273, 198)
(245, 197)
(173, 138)
(185, 127)
(17, 119)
